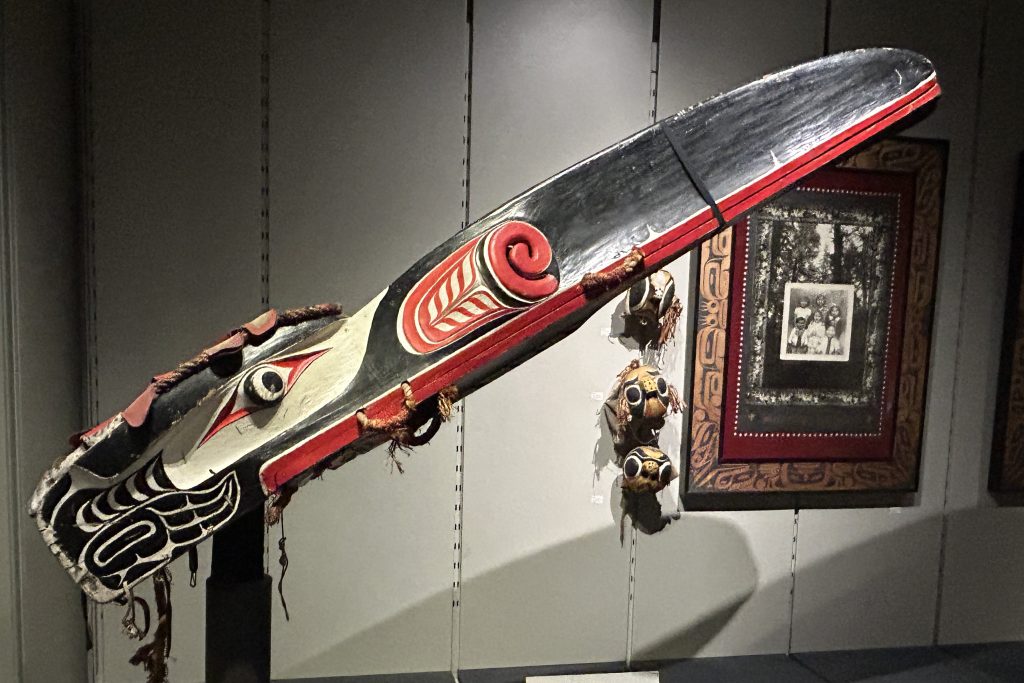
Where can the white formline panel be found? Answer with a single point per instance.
(718, 583)
(869, 577)
(982, 597)
(175, 139)
(544, 578)
(44, 380)
(366, 168)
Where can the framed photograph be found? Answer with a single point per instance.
(813, 324)
(1006, 470)
(816, 322)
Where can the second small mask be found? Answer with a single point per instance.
(638, 406)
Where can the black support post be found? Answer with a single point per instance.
(238, 595)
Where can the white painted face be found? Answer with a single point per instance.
(263, 402)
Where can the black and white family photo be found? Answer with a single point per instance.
(817, 324)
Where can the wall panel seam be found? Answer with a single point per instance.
(460, 422)
(960, 345)
(652, 116)
(264, 228)
(792, 579)
(89, 303)
(8, 358)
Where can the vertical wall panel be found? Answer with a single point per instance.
(728, 573)
(982, 596)
(544, 575)
(869, 578)
(40, 361)
(176, 146)
(366, 169)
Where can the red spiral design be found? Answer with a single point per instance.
(517, 255)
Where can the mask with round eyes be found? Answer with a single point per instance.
(644, 399)
(652, 309)
(647, 469)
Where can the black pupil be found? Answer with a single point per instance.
(662, 387)
(633, 394)
(272, 381)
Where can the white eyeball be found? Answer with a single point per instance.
(265, 385)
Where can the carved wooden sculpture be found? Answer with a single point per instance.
(293, 393)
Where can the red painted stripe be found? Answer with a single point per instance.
(659, 251)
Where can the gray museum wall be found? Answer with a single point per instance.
(42, 635)
(245, 154)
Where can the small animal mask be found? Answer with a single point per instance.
(650, 298)
(652, 310)
(642, 401)
(647, 470)
(646, 394)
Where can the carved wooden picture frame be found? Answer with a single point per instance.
(771, 425)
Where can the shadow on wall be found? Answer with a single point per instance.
(859, 596)
(561, 569)
(874, 604)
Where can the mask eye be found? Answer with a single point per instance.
(666, 298)
(665, 473)
(265, 385)
(262, 387)
(631, 467)
(639, 294)
(662, 387)
(633, 395)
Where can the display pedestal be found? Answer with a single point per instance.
(238, 595)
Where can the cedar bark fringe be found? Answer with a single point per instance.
(403, 425)
(595, 283)
(621, 405)
(201, 361)
(153, 655)
(278, 502)
(669, 323)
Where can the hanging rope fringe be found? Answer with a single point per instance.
(278, 502)
(392, 424)
(446, 401)
(675, 404)
(404, 425)
(622, 406)
(128, 624)
(201, 361)
(283, 561)
(153, 655)
(669, 323)
(595, 283)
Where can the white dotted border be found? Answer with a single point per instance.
(888, 330)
